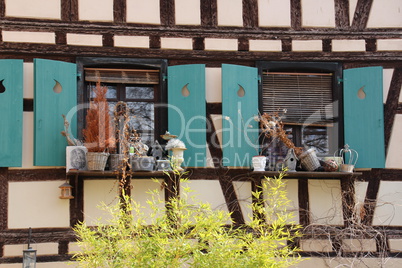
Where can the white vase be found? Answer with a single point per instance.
(259, 162)
(177, 157)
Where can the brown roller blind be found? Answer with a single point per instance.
(307, 97)
(123, 76)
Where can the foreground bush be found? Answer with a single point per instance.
(180, 234)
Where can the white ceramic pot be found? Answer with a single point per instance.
(259, 162)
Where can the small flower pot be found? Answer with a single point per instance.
(259, 162)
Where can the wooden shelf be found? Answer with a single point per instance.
(114, 174)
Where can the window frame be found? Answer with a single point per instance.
(161, 117)
(329, 67)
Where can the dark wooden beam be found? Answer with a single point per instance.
(392, 103)
(3, 198)
(250, 13)
(61, 38)
(28, 105)
(2, 8)
(37, 174)
(304, 214)
(119, 11)
(342, 14)
(231, 199)
(209, 11)
(69, 10)
(370, 201)
(167, 13)
(198, 43)
(107, 40)
(348, 199)
(361, 14)
(295, 14)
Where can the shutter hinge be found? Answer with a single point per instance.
(164, 77)
(259, 78)
(340, 80)
(79, 76)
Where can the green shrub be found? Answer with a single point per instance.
(180, 234)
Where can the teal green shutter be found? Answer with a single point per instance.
(55, 94)
(11, 106)
(239, 107)
(364, 115)
(187, 112)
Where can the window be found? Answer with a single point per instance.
(308, 96)
(138, 83)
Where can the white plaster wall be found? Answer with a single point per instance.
(42, 249)
(188, 12)
(96, 192)
(37, 205)
(176, 43)
(352, 9)
(204, 191)
(266, 45)
(141, 192)
(386, 82)
(44, 9)
(348, 45)
(291, 187)
(318, 13)
(131, 41)
(230, 13)
(389, 204)
(221, 44)
(389, 44)
(385, 13)
(273, 13)
(95, 10)
(84, 39)
(140, 11)
(325, 202)
(394, 154)
(306, 45)
(243, 193)
(213, 77)
(29, 37)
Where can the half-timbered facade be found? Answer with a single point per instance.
(203, 68)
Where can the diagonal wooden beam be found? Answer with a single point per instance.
(361, 14)
(391, 105)
(225, 180)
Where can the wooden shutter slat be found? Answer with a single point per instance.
(364, 118)
(240, 130)
(49, 105)
(11, 111)
(187, 113)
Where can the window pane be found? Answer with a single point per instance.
(142, 119)
(276, 150)
(110, 94)
(316, 137)
(139, 92)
